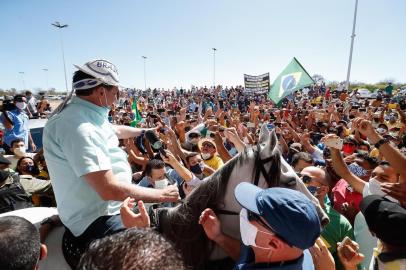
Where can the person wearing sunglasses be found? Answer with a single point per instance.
(339, 227)
(277, 227)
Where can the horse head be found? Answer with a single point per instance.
(261, 165)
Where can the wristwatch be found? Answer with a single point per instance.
(381, 142)
(49, 221)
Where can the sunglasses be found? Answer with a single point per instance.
(305, 178)
(254, 217)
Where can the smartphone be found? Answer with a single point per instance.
(270, 126)
(163, 152)
(336, 143)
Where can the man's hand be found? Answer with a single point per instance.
(322, 258)
(396, 190)
(364, 127)
(211, 224)
(131, 219)
(348, 254)
(170, 159)
(170, 194)
(33, 147)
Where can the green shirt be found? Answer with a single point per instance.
(338, 228)
(78, 141)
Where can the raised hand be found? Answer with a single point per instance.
(131, 219)
(211, 224)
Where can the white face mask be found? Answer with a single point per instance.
(21, 105)
(248, 231)
(206, 156)
(375, 189)
(161, 184)
(20, 151)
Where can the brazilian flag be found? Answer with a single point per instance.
(292, 78)
(137, 115)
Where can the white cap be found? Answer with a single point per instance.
(102, 70)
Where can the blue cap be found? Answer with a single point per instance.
(290, 214)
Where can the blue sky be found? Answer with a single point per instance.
(252, 36)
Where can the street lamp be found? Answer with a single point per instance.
(347, 83)
(214, 67)
(60, 26)
(145, 73)
(46, 77)
(22, 79)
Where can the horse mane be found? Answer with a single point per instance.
(180, 224)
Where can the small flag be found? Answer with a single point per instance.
(137, 115)
(292, 78)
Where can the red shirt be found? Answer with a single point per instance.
(343, 193)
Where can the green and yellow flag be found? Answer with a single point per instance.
(292, 78)
(137, 115)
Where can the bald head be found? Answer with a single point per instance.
(316, 174)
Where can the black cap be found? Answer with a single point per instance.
(4, 160)
(4, 175)
(386, 219)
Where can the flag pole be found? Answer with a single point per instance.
(347, 83)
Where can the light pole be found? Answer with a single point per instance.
(214, 67)
(46, 77)
(22, 79)
(145, 73)
(60, 26)
(347, 83)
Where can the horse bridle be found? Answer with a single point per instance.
(256, 179)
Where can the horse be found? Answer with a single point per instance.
(261, 165)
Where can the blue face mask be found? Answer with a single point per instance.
(312, 190)
(233, 151)
(357, 170)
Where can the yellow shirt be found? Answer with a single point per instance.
(215, 162)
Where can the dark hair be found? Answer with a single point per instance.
(27, 93)
(373, 162)
(18, 98)
(365, 143)
(20, 244)
(132, 249)
(80, 75)
(19, 163)
(153, 164)
(306, 157)
(190, 155)
(384, 163)
(16, 141)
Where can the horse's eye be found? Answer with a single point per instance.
(291, 182)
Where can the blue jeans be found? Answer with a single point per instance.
(73, 247)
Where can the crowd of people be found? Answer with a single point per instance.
(112, 157)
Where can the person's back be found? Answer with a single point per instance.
(79, 204)
(12, 194)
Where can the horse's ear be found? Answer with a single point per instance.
(264, 134)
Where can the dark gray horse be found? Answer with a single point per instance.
(261, 164)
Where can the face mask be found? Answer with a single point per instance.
(196, 169)
(32, 169)
(161, 184)
(348, 149)
(21, 105)
(248, 231)
(357, 170)
(312, 190)
(375, 189)
(206, 156)
(381, 130)
(363, 152)
(20, 151)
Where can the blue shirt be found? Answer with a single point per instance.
(20, 127)
(78, 141)
(247, 262)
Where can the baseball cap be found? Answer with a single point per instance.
(102, 70)
(289, 213)
(206, 140)
(385, 218)
(4, 160)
